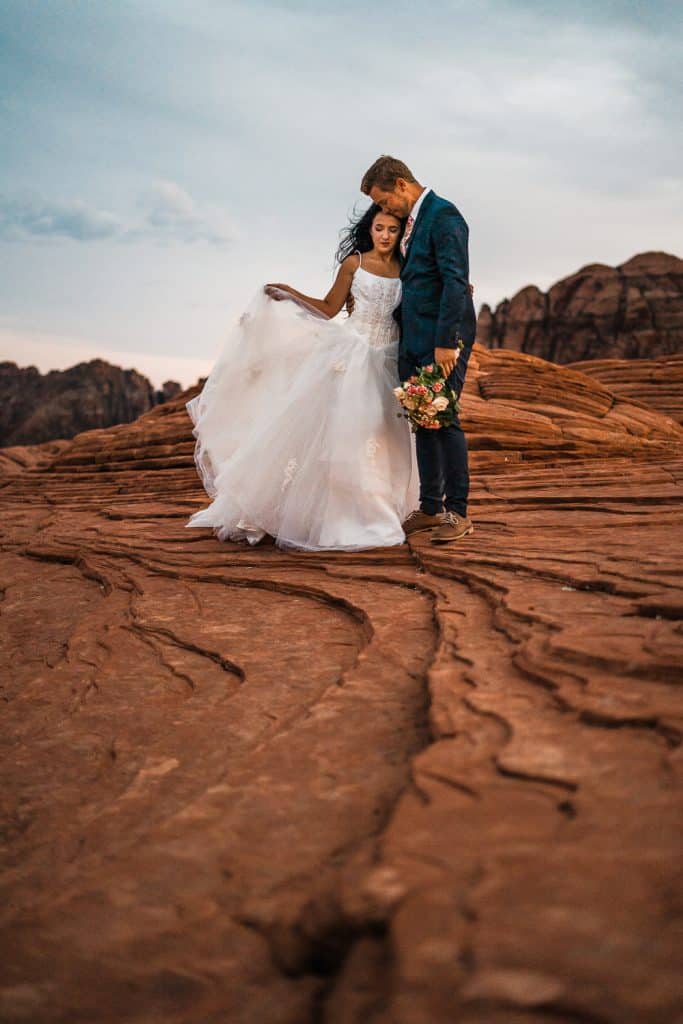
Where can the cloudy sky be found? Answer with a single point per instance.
(163, 158)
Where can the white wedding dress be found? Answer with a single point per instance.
(297, 432)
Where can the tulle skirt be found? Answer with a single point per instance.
(297, 435)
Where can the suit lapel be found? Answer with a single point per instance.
(426, 204)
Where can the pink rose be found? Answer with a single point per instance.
(430, 368)
(437, 387)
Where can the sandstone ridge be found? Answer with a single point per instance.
(36, 407)
(633, 311)
(404, 786)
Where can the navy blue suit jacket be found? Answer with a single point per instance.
(436, 304)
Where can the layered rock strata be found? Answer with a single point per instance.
(36, 407)
(657, 383)
(405, 786)
(633, 311)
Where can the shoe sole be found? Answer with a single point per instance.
(451, 540)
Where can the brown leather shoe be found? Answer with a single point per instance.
(452, 527)
(418, 520)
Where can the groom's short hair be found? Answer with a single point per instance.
(383, 173)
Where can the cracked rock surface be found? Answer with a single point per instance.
(405, 786)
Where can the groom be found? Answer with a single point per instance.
(436, 312)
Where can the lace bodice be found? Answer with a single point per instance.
(375, 298)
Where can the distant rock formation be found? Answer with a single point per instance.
(36, 407)
(633, 311)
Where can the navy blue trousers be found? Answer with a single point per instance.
(441, 454)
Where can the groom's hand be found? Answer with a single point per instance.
(446, 358)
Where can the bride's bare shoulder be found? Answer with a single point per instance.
(351, 263)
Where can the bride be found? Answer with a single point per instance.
(296, 428)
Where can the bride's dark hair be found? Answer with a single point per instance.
(356, 237)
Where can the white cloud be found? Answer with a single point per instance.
(31, 215)
(167, 213)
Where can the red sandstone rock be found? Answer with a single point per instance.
(656, 383)
(37, 407)
(631, 311)
(407, 786)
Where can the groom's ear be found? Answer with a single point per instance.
(400, 185)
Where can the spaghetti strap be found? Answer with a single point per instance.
(360, 258)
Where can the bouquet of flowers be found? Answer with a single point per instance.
(427, 400)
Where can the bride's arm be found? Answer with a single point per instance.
(335, 298)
